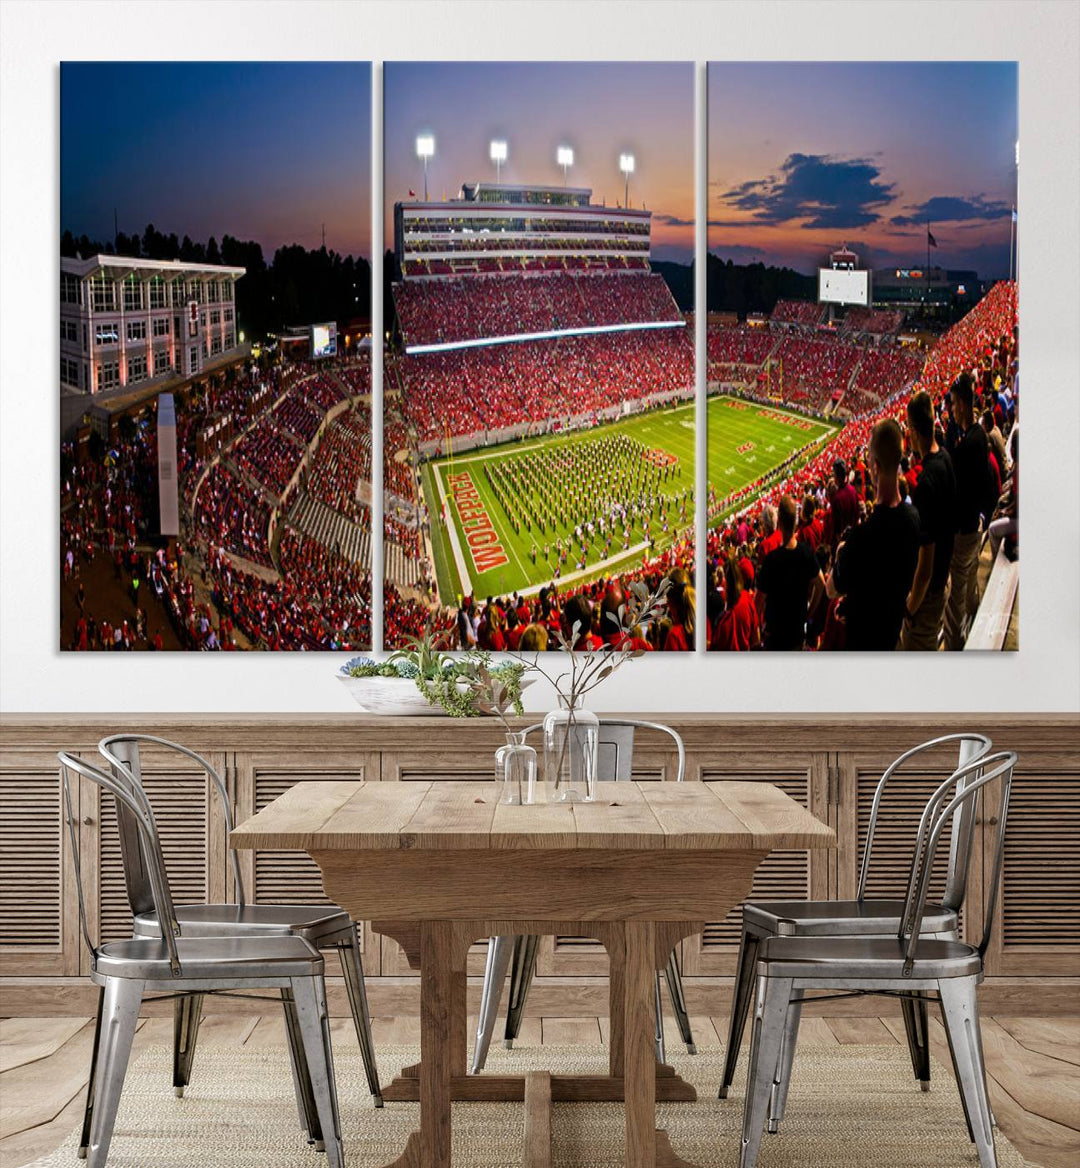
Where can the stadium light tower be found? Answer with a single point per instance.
(425, 148)
(626, 165)
(498, 156)
(565, 158)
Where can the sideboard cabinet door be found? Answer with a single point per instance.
(39, 915)
(291, 877)
(794, 875)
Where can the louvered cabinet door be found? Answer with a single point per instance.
(434, 765)
(39, 914)
(1036, 931)
(292, 877)
(192, 831)
(787, 875)
(585, 956)
(902, 806)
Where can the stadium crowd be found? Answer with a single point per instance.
(874, 543)
(466, 308)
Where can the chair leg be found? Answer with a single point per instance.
(916, 1027)
(740, 1008)
(119, 1017)
(770, 1017)
(305, 1099)
(779, 1093)
(353, 969)
(500, 950)
(187, 1014)
(673, 974)
(88, 1109)
(659, 1012)
(960, 1009)
(309, 994)
(522, 968)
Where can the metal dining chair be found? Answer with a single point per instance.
(615, 756)
(913, 962)
(863, 916)
(170, 964)
(323, 926)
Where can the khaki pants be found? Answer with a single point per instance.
(963, 591)
(920, 632)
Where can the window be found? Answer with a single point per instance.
(228, 315)
(136, 330)
(69, 372)
(162, 361)
(179, 295)
(195, 291)
(215, 345)
(158, 296)
(102, 293)
(230, 338)
(228, 291)
(107, 334)
(193, 359)
(133, 294)
(161, 326)
(215, 316)
(212, 291)
(69, 331)
(136, 368)
(108, 375)
(69, 288)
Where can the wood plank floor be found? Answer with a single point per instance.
(1034, 1067)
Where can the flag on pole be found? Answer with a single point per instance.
(930, 240)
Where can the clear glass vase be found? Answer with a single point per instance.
(571, 738)
(515, 770)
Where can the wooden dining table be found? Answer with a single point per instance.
(440, 865)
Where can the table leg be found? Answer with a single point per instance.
(639, 1051)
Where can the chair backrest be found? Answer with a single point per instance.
(971, 748)
(615, 747)
(961, 792)
(130, 796)
(121, 752)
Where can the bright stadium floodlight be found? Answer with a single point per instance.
(626, 165)
(565, 158)
(425, 149)
(498, 156)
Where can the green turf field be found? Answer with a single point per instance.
(542, 476)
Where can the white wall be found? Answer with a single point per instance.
(1043, 676)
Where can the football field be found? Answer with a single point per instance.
(495, 512)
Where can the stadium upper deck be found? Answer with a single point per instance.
(510, 262)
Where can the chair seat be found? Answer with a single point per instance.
(310, 921)
(874, 958)
(839, 918)
(211, 957)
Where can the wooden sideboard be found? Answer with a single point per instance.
(830, 763)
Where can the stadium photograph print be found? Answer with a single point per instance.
(215, 356)
(539, 383)
(863, 356)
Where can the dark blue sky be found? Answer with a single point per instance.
(806, 155)
(264, 151)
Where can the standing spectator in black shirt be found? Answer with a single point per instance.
(971, 464)
(875, 564)
(934, 498)
(787, 578)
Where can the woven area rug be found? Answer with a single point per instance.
(848, 1106)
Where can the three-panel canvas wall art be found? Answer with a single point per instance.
(537, 427)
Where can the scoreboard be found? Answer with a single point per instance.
(324, 340)
(839, 286)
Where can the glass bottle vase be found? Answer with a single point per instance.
(571, 739)
(515, 770)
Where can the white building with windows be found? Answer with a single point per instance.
(126, 323)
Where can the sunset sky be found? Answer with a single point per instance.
(263, 151)
(805, 156)
(600, 110)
